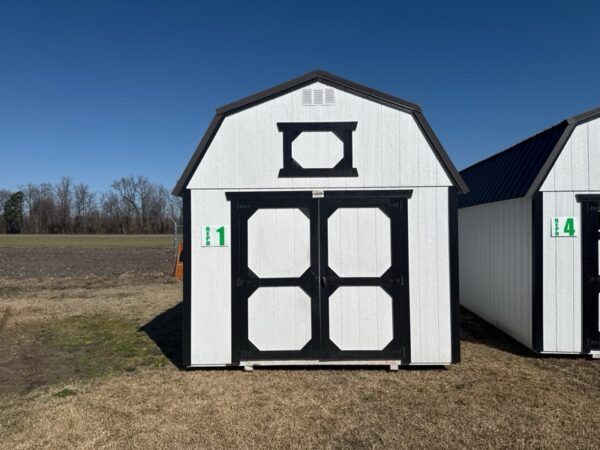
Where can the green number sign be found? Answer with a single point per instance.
(564, 227)
(214, 236)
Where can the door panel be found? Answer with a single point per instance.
(278, 242)
(279, 318)
(368, 271)
(275, 292)
(360, 318)
(359, 242)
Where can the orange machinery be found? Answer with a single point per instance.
(178, 271)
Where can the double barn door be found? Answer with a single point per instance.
(320, 276)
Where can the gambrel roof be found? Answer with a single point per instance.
(520, 170)
(333, 81)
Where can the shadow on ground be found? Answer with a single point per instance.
(165, 331)
(477, 331)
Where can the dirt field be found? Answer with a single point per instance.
(90, 358)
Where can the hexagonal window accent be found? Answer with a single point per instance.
(279, 318)
(317, 150)
(360, 318)
(359, 242)
(278, 243)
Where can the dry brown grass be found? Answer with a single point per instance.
(499, 396)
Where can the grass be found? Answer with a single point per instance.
(92, 346)
(86, 241)
(103, 370)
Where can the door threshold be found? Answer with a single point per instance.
(391, 363)
(595, 354)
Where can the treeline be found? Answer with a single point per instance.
(131, 205)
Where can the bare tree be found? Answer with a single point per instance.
(63, 197)
(132, 205)
(84, 205)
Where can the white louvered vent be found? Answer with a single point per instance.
(329, 96)
(307, 97)
(318, 97)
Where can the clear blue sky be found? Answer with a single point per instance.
(101, 89)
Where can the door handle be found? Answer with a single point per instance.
(324, 281)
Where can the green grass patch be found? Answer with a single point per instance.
(86, 347)
(86, 240)
(11, 291)
(64, 393)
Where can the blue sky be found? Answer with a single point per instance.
(101, 89)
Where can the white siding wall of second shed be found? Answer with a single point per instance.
(495, 265)
(577, 170)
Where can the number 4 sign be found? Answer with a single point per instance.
(213, 236)
(564, 226)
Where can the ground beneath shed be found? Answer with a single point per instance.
(93, 359)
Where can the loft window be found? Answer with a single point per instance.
(341, 167)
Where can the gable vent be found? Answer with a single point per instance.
(307, 97)
(329, 96)
(318, 97)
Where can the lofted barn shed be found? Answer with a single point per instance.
(528, 233)
(320, 228)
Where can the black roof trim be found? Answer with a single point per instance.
(520, 170)
(311, 77)
(331, 80)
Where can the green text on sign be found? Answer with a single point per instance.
(215, 236)
(564, 227)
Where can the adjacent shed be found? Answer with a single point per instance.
(320, 227)
(528, 233)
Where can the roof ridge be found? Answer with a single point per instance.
(501, 152)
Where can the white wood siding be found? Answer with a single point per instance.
(429, 275)
(429, 279)
(562, 278)
(495, 265)
(578, 166)
(211, 282)
(389, 149)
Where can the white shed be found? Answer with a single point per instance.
(528, 233)
(320, 228)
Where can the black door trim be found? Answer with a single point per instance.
(590, 282)
(454, 276)
(537, 267)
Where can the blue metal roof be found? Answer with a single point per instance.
(510, 173)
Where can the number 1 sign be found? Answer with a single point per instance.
(564, 226)
(214, 236)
